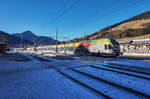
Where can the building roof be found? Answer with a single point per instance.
(139, 41)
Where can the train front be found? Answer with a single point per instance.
(116, 49)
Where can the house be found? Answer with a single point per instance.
(3, 47)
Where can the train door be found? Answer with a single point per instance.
(108, 48)
(105, 48)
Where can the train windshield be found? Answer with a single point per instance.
(115, 43)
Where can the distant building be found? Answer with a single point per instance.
(3, 47)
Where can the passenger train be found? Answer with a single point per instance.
(103, 47)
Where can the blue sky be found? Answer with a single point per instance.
(87, 16)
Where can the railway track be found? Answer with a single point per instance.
(104, 88)
(119, 66)
(131, 70)
(98, 80)
(120, 74)
(120, 70)
(102, 95)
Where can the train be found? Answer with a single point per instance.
(102, 47)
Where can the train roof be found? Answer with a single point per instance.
(93, 40)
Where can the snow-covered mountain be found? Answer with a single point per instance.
(14, 41)
(38, 40)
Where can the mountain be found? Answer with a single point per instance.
(13, 41)
(38, 40)
(135, 26)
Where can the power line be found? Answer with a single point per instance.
(114, 11)
(64, 5)
(60, 9)
(65, 11)
(110, 5)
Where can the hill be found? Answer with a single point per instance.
(12, 40)
(136, 26)
(28, 38)
(38, 40)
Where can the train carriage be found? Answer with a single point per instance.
(103, 47)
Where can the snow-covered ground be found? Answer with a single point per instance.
(101, 86)
(29, 78)
(35, 80)
(120, 79)
(131, 62)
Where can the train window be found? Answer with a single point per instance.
(67, 48)
(71, 48)
(115, 43)
(109, 46)
(105, 46)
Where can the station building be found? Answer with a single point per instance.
(136, 46)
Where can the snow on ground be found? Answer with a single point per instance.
(130, 62)
(88, 60)
(139, 84)
(31, 55)
(101, 86)
(35, 80)
(32, 79)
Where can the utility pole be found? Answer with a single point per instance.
(21, 39)
(84, 33)
(56, 40)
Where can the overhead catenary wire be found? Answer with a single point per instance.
(109, 13)
(112, 12)
(110, 5)
(97, 17)
(65, 11)
(63, 6)
(59, 11)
